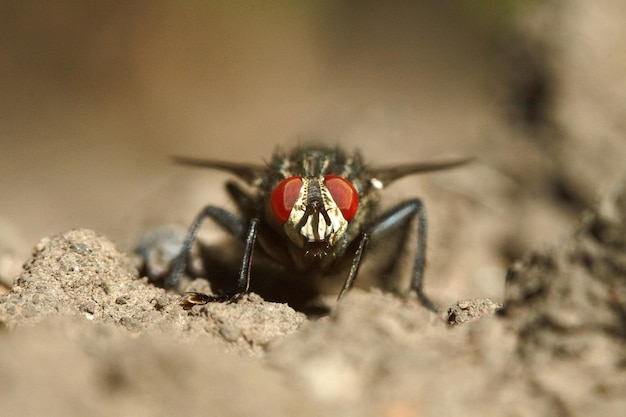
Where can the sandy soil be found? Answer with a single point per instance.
(536, 92)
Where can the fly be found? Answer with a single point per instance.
(308, 210)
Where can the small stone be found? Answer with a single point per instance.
(80, 248)
(122, 300)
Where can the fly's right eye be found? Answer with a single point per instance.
(284, 197)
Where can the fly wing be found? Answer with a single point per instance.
(387, 175)
(250, 173)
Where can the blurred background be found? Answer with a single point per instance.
(95, 96)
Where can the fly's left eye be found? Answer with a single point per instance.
(284, 197)
(344, 194)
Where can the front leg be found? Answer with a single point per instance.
(233, 224)
(387, 223)
(243, 280)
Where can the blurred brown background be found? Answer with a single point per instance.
(94, 96)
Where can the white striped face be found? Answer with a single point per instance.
(315, 210)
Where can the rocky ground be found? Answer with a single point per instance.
(527, 245)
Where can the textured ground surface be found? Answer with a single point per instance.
(84, 335)
(94, 99)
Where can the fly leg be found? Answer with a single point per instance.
(390, 269)
(392, 221)
(237, 227)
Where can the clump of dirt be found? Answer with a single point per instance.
(82, 274)
(465, 311)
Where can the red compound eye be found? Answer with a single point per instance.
(344, 194)
(284, 197)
